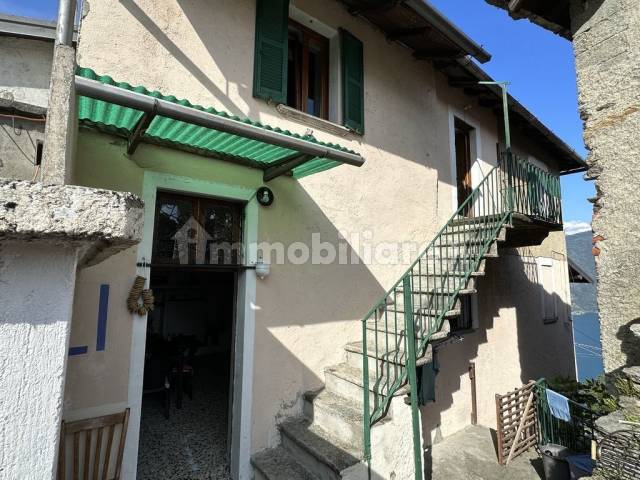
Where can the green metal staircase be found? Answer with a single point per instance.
(398, 332)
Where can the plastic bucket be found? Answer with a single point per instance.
(553, 462)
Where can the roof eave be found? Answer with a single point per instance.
(518, 11)
(449, 30)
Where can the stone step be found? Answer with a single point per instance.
(390, 328)
(346, 380)
(425, 303)
(339, 416)
(321, 453)
(437, 275)
(460, 253)
(480, 218)
(424, 284)
(431, 265)
(278, 464)
(381, 355)
(443, 290)
(423, 312)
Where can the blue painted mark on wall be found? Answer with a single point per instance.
(103, 307)
(77, 350)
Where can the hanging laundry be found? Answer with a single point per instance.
(559, 405)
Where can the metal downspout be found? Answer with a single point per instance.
(507, 141)
(66, 21)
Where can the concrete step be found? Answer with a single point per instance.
(439, 275)
(422, 312)
(320, 452)
(446, 289)
(465, 221)
(390, 328)
(335, 414)
(278, 464)
(347, 380)
(380, 355)
(431, 265)
(428, 303)
(461, 253)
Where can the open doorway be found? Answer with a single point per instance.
(185, 427)
(463, 164)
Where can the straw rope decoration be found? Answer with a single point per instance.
(138, 290)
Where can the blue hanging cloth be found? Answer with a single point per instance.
(559, 405)
(427, 381)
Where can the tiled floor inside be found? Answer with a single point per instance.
(192, 443)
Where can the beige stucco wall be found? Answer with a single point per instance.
(402, 193)
(512, 344)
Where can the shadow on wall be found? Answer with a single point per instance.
(306, 313)
(220, 34)
(510, 287)
(178, 53)
(630, 342)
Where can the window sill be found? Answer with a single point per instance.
(548, 321)
(313, 121)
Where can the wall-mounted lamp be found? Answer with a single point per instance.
(262, 269)
(265, 196)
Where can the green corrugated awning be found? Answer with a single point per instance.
(122, 121)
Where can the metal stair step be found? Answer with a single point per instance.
(278, 464)
(316, 449)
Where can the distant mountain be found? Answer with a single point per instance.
(584, 308)
(583, 295)
(579, 250)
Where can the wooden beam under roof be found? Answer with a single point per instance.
(363, 9)
(437, 54)
(403, 33)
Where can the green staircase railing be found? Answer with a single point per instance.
(397, 332)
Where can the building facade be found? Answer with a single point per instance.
(344, 77)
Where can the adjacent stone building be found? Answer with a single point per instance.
(606, 43)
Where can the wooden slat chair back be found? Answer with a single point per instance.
(93, 447)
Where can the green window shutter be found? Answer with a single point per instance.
(352, 82)
(271, 55)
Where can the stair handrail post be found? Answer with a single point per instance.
(412, 374)
(365, 385)
(510, 187)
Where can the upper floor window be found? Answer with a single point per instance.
(308, 71)
(294, 65)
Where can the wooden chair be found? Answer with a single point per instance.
(89, 438)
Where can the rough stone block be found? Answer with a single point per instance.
(100, 222)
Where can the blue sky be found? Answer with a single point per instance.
(44, 9)
(538, 64)
(540, 67)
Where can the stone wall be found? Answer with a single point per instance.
(606, 40)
